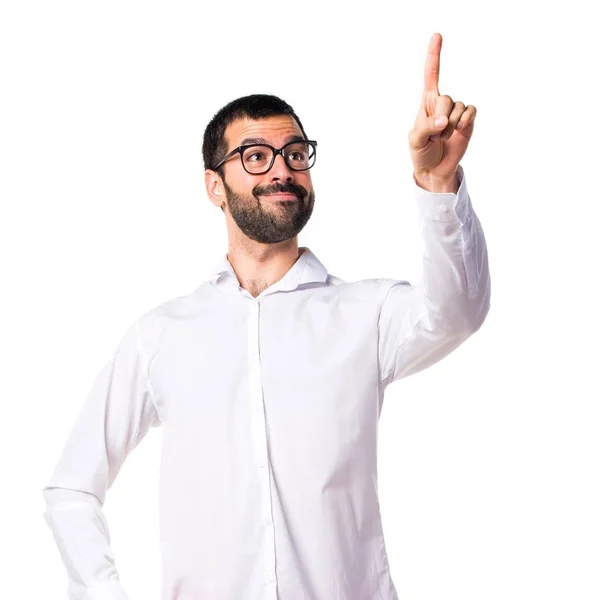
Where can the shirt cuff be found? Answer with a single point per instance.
(444, 206)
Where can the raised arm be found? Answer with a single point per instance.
(420, 324)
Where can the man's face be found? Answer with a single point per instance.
(252, 200)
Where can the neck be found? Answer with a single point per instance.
(259, 266)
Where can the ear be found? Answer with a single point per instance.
(214, 187)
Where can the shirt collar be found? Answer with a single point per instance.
(307, 269)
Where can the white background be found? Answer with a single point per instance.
(489, 460)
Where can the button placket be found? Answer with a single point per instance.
(259, 434)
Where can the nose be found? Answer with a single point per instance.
(280, 170)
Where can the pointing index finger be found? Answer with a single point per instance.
(432, 63)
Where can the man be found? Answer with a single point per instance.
(269, 378)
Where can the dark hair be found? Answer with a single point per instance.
(256, 106)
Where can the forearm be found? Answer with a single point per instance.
(80, 531)
(455, 265)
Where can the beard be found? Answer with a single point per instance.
(270, 221)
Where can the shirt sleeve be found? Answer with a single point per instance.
(118, 412)
(420, 324)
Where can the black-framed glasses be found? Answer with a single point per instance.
(257, 159)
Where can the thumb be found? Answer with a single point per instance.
(431, 127)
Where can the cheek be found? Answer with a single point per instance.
(305, 181)
(244, 183)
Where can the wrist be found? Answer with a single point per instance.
(436, 185)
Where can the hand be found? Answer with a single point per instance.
(436, 151)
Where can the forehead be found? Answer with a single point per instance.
(275, 130)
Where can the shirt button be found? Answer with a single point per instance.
(262, 464)
(442, 208)
(268, 522)
(270, 578)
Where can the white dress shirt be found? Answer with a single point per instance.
(269, 408)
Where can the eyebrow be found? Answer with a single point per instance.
(260, 140)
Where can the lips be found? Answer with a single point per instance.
(281, 196)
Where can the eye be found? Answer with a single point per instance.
(254, 156)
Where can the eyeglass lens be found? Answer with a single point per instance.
(299, 156)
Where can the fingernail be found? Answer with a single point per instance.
(439, 121)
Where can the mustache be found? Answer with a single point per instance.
(282, 188)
